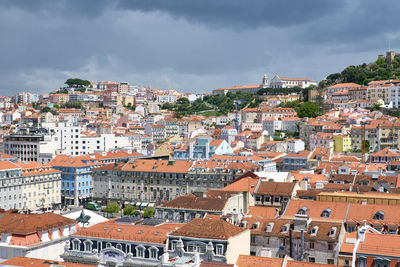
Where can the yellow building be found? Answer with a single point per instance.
(364, 198)
(342, 143)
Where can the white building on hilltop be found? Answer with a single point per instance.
(285, 82)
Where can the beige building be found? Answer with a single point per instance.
(214, 239)
(29, 186)
(123, 88)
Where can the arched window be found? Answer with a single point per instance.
(326, 213)
(302, 211)
(173, 244)
(219, 249)
(140, 251)
(119, 246)
(108, 245)
(88, 245)
(380, 215)
(153, 252)
(76, 244)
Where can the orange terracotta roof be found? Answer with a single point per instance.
(147, 165)
(25, 224)
(340, 85)
(257, 261)
(246, 184)
(275, 188)
(208, 228)
(193, 202)
(315, 209)
(139, 233)
(382, 245)
(33, 262)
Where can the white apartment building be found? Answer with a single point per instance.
(29, 186)
(166, 98)
(61, 138)
(394, 96)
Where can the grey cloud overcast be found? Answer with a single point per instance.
(193, 46)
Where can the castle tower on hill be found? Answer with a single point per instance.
(265, 81)
(390, 56)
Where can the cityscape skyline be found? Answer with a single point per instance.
(189, 47)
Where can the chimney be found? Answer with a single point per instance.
(276, 213)
(291, 243)
(302, 246)
(361, 234)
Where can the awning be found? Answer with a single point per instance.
(152, 205)
(137, 204)
(144, 204)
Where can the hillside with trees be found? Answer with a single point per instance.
(212, 105)
(365, 73)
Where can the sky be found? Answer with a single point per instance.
(188, 45)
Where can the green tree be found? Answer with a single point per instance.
(148, 212)
(112, 207)
(129, 210)
(45, 110)
(76, 82)
(308, 110)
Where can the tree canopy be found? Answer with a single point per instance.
(365, 73)
(112, 207)
(148, 213)
(308, 110)
(129, 210)
(76, 82)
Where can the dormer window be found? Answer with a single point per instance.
(326, 213)
(380, 215)
(332, 232)
(269, 227)
(285, 228)
(255, 225)
(314, 230)
(302, 211)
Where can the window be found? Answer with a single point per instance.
(350, 228)
(267, 199)
(173, 244)
(75, 244)
(219, 249)
(326, 213)
(119, 246)
(330, 246)
(140, 251)
(311, 259)
(252, 239)
(380, 215)
(88, 245)
(314, 230)
(302, 211)
(311, 246)
(153, 252)
(108, 245)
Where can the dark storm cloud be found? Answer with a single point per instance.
(192, 45)
(238, 13)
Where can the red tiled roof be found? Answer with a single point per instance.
(209, 228)
(32, 262)
(193, 202)
(257, 261)
(25, 224)
(275, 188)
